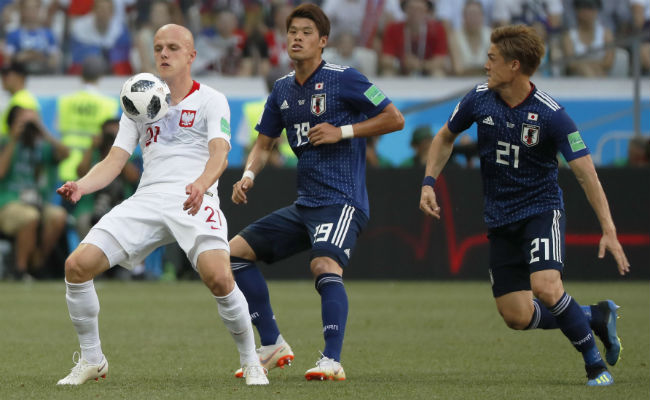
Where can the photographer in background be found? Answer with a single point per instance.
(25, 155)
(92, 207)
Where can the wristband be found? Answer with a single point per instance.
(347, 132)
(429, 181)
(249, 174)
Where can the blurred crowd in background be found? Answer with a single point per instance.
(591, 38)
(379, 37)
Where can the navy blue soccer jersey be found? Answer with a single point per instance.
(332, 173)
(518, 147)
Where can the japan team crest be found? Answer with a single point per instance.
(318, 104)
(187, 118)
(529, 134)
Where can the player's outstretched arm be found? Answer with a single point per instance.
(585, 172)
(390, 119)
(255, 163)
(439, 153)
(214, 167)
(98, 177)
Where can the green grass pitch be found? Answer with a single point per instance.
(404, 340)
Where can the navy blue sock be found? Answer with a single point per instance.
(251, 282)
(334, 311)
(543, 319)
(575, 326)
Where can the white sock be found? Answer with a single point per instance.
(233, 310)
(83, 306)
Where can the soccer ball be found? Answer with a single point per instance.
(145, 98)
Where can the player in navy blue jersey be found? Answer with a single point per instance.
(327, 111)
(520, 131)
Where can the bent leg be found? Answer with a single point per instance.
(516, 308)
(252, 283)
(214, 268)
(547, 286)
(334, 303)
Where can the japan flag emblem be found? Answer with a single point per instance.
(318, 104)
(187, 118)
(533, 116)
(530, 134)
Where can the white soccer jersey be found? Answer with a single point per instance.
(175, 148)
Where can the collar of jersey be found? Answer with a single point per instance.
(194, 88)
(533, 89)
(322, 63)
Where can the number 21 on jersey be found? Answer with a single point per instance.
(507, 154)
(152, 135)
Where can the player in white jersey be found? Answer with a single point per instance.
(184, 155)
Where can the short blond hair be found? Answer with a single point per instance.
(521, 43)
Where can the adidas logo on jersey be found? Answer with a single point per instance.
(347, 252)
(488, 120)
(284, 105)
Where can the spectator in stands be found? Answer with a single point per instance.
(160, 13)
(373, 158)
(616, 15)
(92, 207)
(451, 13)
(364, 19)
(587, 41)
(33, 44)
(79, 8)
(637, 152)
(8, 22)
(276, 37)
(26, 153)
(80, 117)
(220, 45)
(469, 45)
(236, 7)
(14, 77)
(255, 56)
(417, 46)
(281, 155)
(346, 52)
(101, 33)
(529, 12)
(464, 153)
(641, 23)
(421, 139)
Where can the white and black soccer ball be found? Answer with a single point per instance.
(145, 98)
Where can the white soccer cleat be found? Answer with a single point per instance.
(83, 371)
(272, 356)
(255, 375)
(326, 369)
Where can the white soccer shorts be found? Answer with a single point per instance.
(144, 222)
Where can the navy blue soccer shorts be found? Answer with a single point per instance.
(523, 247)
(329, 231)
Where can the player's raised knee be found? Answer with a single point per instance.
(75, 271)
(219, 280)
(548, 294)
(325, 265)
(220, 286)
